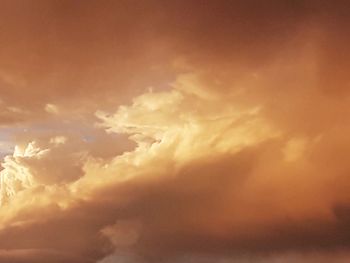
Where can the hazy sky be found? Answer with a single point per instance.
(197, 131)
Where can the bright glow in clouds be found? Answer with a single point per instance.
(212, 161)
(183, 132)
(171, 129)
(16, 176)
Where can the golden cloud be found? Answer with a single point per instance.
(165, 135)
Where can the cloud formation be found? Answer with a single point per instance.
(174, 132)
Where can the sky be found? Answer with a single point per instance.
(192, 131)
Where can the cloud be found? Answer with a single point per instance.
(32, 255)
(51, 108)
(178, 132)
(202, 160)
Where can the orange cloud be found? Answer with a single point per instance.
(178, 132)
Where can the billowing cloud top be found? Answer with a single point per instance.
(176, 131)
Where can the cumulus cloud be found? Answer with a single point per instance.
(230, 176)
(178, 132)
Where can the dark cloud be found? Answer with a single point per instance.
(61, 50)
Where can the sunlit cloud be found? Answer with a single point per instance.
(179, 132)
